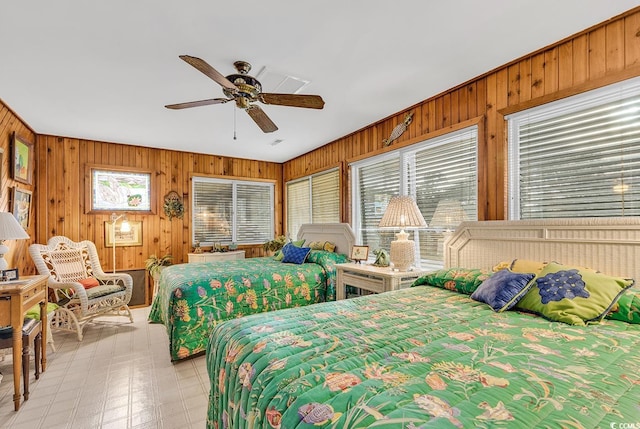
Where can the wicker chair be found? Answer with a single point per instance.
(81, 289)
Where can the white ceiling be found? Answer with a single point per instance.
(103, 70)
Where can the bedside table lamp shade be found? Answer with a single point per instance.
(10, 229)
(448, 215)
(402, 212)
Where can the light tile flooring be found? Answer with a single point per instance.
(119, 376)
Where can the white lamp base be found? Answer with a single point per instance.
(403, 254)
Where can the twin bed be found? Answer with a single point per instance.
(193, 298)
(430, 356)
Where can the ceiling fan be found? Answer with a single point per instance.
(245, 90)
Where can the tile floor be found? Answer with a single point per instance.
(120, 376)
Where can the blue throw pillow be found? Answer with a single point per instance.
(294, 254)
(503, 289)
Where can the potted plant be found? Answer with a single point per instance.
(154, 265)
(274, 245)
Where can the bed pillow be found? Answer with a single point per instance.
(573, 295)
(298, 243)
(627, 308)
(294, 254)
(322, 245)
(278, 256)
(503, 289)
(89, 282)
(521, 266)
(463, 280)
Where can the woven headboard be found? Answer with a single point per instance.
(610, 245)
(339, 234)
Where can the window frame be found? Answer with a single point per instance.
(405, 156)
(555, 109)
(309, 179)
(234, 182)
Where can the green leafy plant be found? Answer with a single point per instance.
(154, 264)
(275, 244)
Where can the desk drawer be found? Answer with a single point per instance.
(371, 284)
(34, 295)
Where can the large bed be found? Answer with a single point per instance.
(430, 356)
(193, 298)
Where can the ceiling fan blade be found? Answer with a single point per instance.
(293, 100)
(197, 103)
(261, 118)
(205, 68)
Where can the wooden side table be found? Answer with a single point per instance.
(372, 278)
(216, 256)
(16, 297)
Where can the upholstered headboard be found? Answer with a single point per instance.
(339, 234)
(610, 245)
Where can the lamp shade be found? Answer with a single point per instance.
(10, 229)
(402, 212)
(448, 215)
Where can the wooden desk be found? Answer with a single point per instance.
(16, 297)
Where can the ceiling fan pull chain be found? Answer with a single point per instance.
(234, 124)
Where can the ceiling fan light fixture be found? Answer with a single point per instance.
(246, 91)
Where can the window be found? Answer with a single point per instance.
(439, 173)
(313, 199)
(577, 157)
(226, 211)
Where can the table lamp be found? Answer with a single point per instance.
(10, 229)
(448, 215)
(402, 212)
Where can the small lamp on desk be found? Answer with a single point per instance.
(402, 212)
(10, 229)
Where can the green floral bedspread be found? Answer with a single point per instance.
(422, 357)
(193, 298)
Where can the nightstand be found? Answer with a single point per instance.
(372, 278)
(216, 256)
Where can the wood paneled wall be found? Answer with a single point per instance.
(63, 187)
(601, 55)
(10, 122)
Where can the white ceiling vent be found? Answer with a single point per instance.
(273, 81)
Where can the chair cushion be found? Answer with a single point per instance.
(89, 282)
(6, 332)
(34, 312)
(102, 290)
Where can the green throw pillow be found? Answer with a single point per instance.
(573, 295)
(627, 308)
(298, 243)
(463, 280)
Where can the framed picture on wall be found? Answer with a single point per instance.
(21, 204)
(22, 164)
(120, 189)
(133, 237)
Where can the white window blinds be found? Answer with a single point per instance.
(436, 171)
(226, 211)
(579, 157)
(376, 182)
(314, 198)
